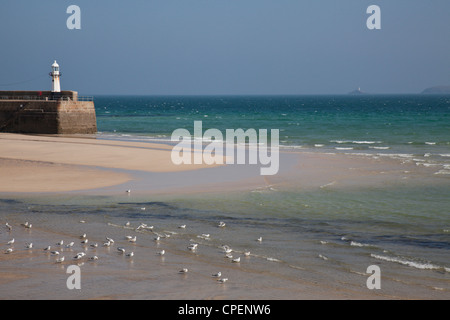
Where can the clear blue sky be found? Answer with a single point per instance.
(160, 47)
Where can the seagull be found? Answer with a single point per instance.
(79, 256)
(122, 250)
(130, 254)
(259, 239)
(55, 253)
(247, 253)
(133, 240)
(162, 252)
(107, 244)
(110, 240)
(193, 246)
(93, 258)
(24, 224)
(223, 280)
(183, 226)
(60, 260)
(229, 256)
(70, 245)
(217, 275)
(236, 260)
(221, 224)
(127, 224)
(142, 225)
(8, 226)
(184, 270)
(128, 191)
(83, 236)
(94, 245)
(47, 248)
(85, 241)
(228, 250)
(29, 246)
(9, 250)
(157, 238)
(11, 241)
(60, 243)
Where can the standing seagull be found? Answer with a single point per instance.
(11, 241)
(70, 245)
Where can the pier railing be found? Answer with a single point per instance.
(46, 98)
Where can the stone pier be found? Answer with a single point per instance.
(46, 112)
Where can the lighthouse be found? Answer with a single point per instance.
(56, 86)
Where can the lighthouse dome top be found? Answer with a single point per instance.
(55, 64)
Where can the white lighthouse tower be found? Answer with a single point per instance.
(55, 74)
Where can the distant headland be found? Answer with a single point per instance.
(437, 90)
(431, 90)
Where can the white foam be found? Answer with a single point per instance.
(355, 141)
(428, 164)
(396, 155)
(272, 259)
(417, 265)
(327, 185)
(379, 148)
(357, 244)
(430, 143)
(442, 172)
(366, 142)
(339, 148)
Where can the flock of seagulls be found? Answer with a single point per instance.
(108, 242)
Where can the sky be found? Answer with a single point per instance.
(225, 47)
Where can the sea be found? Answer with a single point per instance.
(325, 236)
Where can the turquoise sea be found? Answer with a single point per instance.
(323, 235)
(402, 126)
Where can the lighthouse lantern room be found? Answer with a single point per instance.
(55, 74)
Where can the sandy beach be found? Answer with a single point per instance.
(31, 163)
(48, 172)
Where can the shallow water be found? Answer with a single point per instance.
(313, 241)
